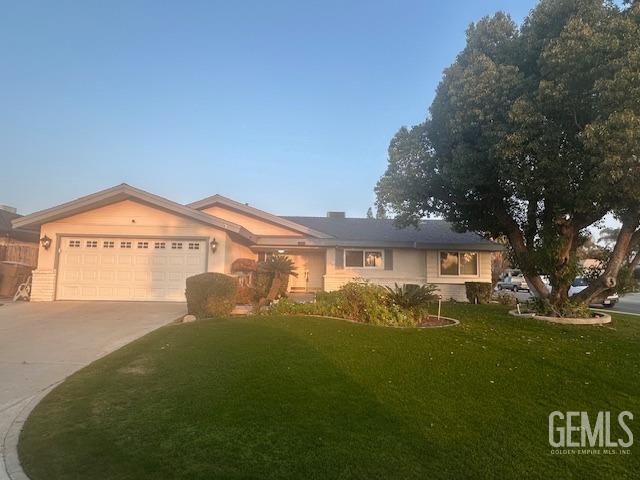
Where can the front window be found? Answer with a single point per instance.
(458, 263)
(373, 258)
(353, 258)
(363, 258)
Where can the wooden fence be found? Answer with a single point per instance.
(21, 253)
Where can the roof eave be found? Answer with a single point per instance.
(293, 241)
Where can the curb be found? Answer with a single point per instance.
(10, 459)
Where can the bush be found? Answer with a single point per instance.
(504, 298)
(542, 306)
(211, 294)
(262, 284)
(411, 295)
(245, 295)
(478, 292)
(357, 301)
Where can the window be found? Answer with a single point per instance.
(143, 244)
(468, 263)
(353, 258)
(125, 244)
(159, 245)
(108, 244)
(458, 263)
(74, 243)
(176, 245)
(373, 258)
(194, 246)
(363, 258)
(92, 244)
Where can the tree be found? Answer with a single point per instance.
(381, 212)
(280, 267)
(534, 134)
(609, 235)
(369, 213)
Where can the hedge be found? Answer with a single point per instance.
(211, 294)
(478, 292)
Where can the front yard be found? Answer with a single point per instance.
(285, 397)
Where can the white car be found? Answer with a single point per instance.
(580, 283)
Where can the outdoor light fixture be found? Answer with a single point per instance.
(45, 242)
(214, 245)
(280, 251)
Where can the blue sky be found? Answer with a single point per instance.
(287, 105)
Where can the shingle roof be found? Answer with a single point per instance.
(437, 233)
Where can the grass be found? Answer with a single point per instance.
(286, 397)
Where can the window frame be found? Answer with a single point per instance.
(458, 252)
(363, 251)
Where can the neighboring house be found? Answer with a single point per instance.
(126, 244)
(17, 245)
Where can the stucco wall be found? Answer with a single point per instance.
(126, 218)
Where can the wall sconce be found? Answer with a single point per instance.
(214, 245)
(45, 242)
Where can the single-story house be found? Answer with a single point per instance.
(127, 244)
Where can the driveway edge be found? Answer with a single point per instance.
(10, 458)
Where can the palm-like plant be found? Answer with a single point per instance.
(411, 296)
(280, 267)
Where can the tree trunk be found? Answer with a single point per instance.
(608, 279)
(564, 271)
(519, 246)
(275, 288)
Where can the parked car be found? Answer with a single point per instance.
(513, 280)
(580, 283)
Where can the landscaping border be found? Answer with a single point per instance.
(453, 320)
(598, 319)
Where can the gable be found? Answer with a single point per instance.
(255, 225)
(129, 213)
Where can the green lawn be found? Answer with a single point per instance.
(274, 397)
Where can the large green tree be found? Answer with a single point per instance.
(534, 134)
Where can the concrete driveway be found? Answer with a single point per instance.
(43, 343)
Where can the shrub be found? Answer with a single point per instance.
(262, 284)
(542, 306)
(411, 295)
(211, 294)
(357, 301)
(478, 292)
(245, 295)
(504, 298)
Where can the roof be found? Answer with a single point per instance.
(6, 228)
(384, 232)
(255, 212)
(117, 194)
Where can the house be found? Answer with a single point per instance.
(127, 244)
(16, 244)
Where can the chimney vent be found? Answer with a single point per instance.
(9, 209)
(336, 215)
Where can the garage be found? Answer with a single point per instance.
(139, 269)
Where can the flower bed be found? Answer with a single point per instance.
(364, 302)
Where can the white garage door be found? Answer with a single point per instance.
(127, 268)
